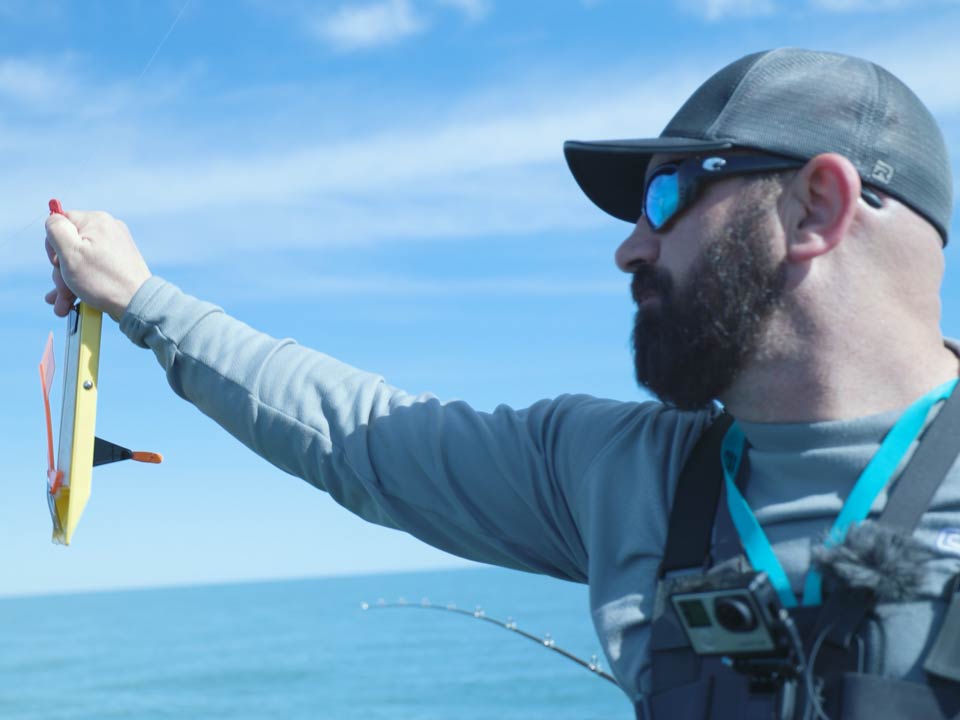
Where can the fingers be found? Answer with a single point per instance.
(51, 253)
(61, 297)
(62, 240)
(61, 306)
(57, 277)
(62, 236)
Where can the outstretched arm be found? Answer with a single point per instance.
(499, 487)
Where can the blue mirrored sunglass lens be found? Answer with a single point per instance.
(662, 199)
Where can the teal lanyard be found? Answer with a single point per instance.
(873, 479)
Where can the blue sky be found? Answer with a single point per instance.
(381, 180)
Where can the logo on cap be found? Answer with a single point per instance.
(949, 540)
(882, 172)
(713, 164)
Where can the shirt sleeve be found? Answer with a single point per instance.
(496, 487)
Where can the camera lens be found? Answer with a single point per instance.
(734, 613)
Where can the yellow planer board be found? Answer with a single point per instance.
(69, 476)
(77, 421)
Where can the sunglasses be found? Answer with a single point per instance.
(674, 186)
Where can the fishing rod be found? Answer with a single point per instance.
(593, 665)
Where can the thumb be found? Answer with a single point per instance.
(63, 238)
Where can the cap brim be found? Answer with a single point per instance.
(611, 172)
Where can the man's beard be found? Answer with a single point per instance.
(691, 343)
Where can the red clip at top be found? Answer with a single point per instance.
(56, 208)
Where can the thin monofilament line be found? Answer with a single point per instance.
(97, 148)
(19, 233)
(163, 42)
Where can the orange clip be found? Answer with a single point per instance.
(147, 457)
(54, 480)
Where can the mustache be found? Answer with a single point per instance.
(648, 280)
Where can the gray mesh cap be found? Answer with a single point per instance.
(796, 103)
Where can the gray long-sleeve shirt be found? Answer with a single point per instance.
(576, 487)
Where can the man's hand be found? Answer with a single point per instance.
(95, 259)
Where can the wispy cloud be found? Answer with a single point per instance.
(492, 164)
(915, 58)
(57, 88)
(499, 170)
(357, 27)
(384, 22)
(858, 5)
(713, 10)
(28, 82)
(852, 6)
(279, 282)
(473, 10)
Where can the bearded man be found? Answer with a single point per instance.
(786, 261)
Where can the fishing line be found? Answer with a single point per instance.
(19, 233)
(162, 42)
(547, 641)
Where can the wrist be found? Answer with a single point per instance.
(118, 308)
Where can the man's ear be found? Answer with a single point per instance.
(822, 200)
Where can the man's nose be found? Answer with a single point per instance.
(641, 247)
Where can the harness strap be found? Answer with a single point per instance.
(726, 540)
(696, 534)
(695, 500)
(926, 470)
(909, 499)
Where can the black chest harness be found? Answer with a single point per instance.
(838, 670)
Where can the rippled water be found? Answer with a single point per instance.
(304, 649)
